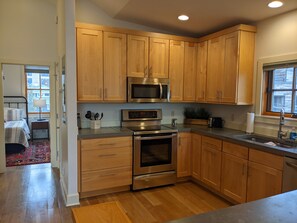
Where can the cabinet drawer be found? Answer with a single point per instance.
(97, 180)
(105, 158)
(266, 159)
(113, 142)
(236, 150)
(212, 143)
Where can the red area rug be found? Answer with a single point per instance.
(37, 152)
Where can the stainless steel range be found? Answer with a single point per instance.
(154, 148)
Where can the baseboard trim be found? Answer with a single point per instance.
(69, 199)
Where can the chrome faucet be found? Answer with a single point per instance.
(281, 133)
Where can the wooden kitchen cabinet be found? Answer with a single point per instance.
(190, 72)
(201, 71)
(176, 70)
(230, 67)
(211, 159)
(264, 175)
(105, 163)
(137, 56)
(89, 65)
(184, 155)
(158, 57)
(196, 156)
(115, 67)
(234, 171)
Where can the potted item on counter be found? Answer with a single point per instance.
(196, 116)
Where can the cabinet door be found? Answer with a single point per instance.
(230, 72)
(215, 66)
(196, 156)
(211, 163)
(234, 177)
(158, 57)
(89, 65)
(114, 67)
(137, 61)
(176, 70)
(201, 71)
(190, 72)
(184, 155)
(263, 181)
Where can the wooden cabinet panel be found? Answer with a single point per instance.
(234, 177)
(159, 57)
(184, 155)
(196, 156)
(137, 59)
(190, 72)
(236, 150)
(114, 67)
(211, 162)
(103, 179)
(201, 71)
(106, 143)
(176, 70)
(89, 65)
(230, 71)
(267, 159)
(263, 181)
(215, 66)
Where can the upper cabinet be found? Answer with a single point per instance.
(230, 67)
(201, 71)
(158, 57)
(89, 65)
(137, 60)
(190, 72)
(114, 66)
(176, 70)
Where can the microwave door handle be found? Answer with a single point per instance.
(161, 91)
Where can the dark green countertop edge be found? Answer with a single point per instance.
(280, 208)
(225, 134)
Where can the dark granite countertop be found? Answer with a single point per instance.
(280, 208)
(230, 135)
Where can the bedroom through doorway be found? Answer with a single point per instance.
(29, 107)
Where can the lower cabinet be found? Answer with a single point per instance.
(196, 156)
(105, 163)
(234, 171)
(211, 162)
(264, 175)
(184, 155)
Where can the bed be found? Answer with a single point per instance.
(17, 132)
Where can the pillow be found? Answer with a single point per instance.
(13, 114)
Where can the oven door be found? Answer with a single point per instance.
(154, 153)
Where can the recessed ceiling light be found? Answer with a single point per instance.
(183, 17)
(275, 4)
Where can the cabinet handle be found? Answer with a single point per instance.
(108, 144)
(107, 175)
(146, 71)
(101, 92)
(105, 92)
(106, 155)
(150, 72)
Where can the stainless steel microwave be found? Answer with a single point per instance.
(148, 89)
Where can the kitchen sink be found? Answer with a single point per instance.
(270, 141)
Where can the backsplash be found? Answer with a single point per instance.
(112, 112)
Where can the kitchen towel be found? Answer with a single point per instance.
(250, 122)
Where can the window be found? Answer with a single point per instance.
(281, 88)
(37, 86)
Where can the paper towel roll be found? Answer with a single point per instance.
(250, 122)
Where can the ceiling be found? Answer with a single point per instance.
(206, 16)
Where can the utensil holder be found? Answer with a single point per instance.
(95, 124)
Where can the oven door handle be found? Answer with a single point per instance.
(161, 90)
(155, 137)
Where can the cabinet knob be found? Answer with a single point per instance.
(105, 92)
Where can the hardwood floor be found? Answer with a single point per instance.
(32, 194)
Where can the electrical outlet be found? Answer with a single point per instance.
(172, 114)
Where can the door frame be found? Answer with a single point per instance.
(54, 144)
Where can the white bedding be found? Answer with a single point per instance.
(17, 132)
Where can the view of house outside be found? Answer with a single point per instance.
(284, 90)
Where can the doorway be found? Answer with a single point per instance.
(49, 111)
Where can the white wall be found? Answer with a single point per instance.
(14, 79)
